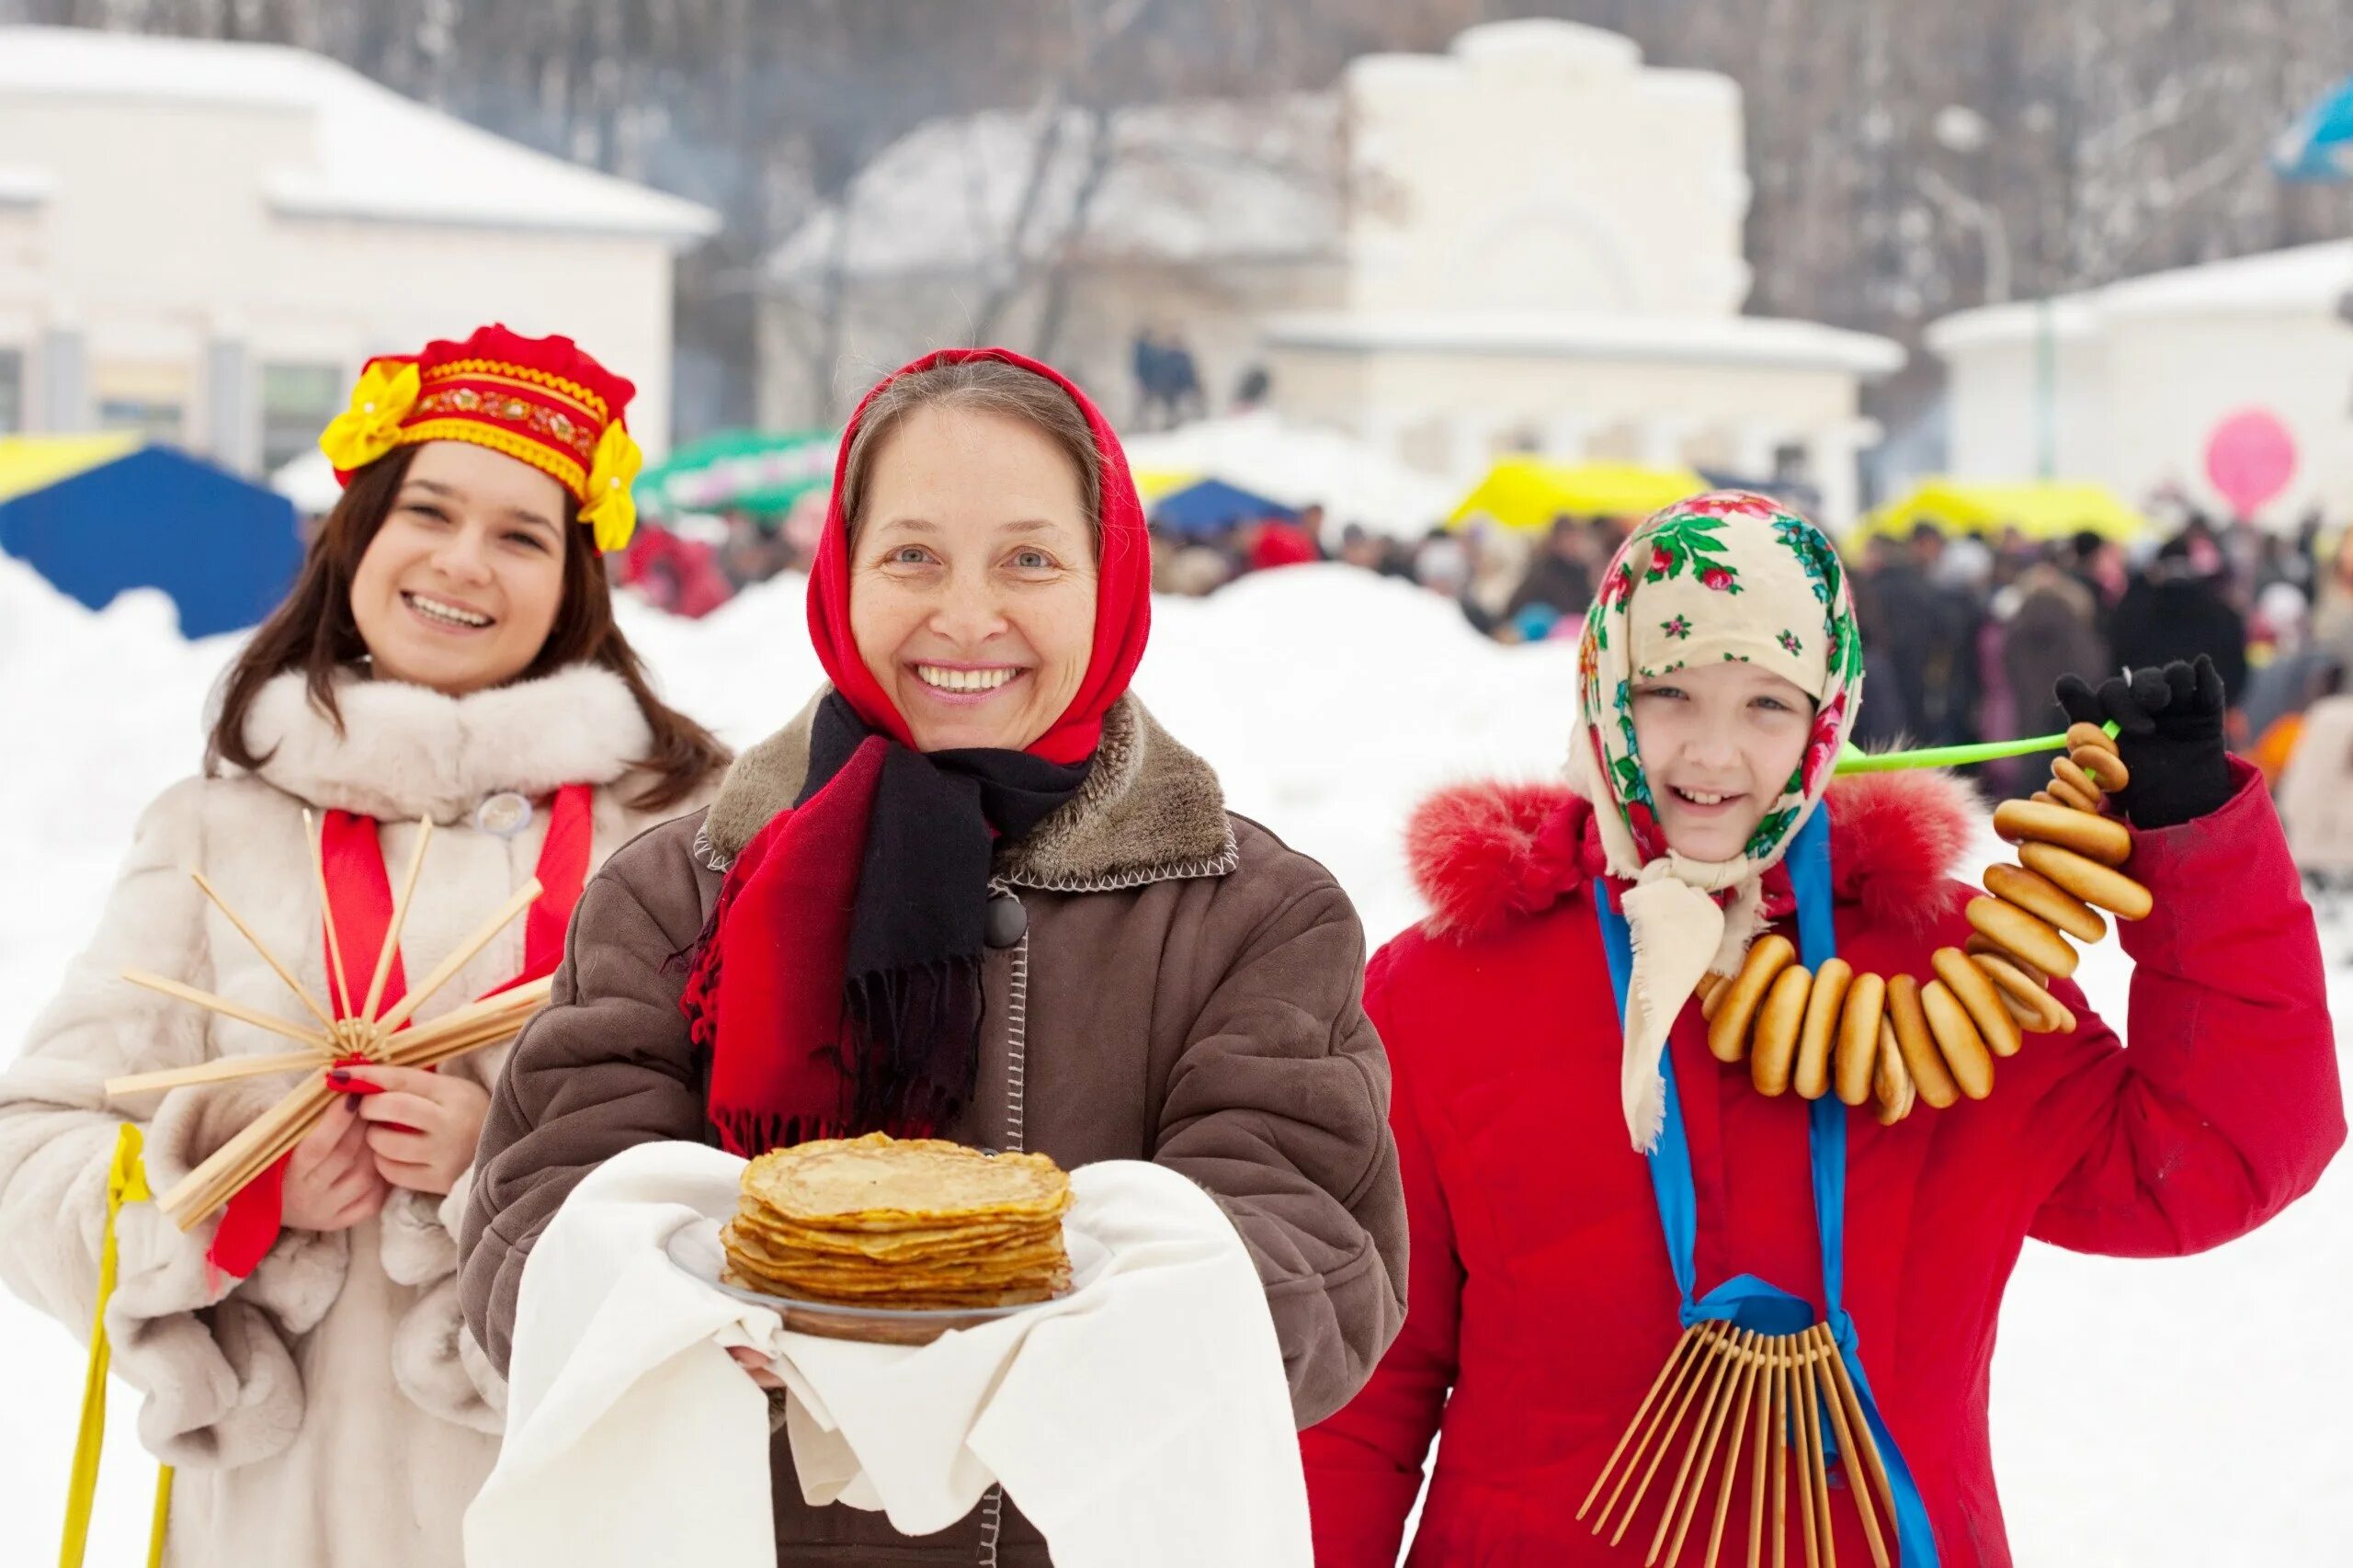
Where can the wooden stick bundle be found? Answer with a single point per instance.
(367, 1035)
(1797, 1389)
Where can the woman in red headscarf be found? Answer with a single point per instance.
(1018, 903)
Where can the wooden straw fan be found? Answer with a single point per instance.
(1729, 1396)
(365, 1037)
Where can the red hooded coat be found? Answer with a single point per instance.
(1540, 1305)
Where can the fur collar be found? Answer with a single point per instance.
(407, 751)
(1487, 856)
(1151, 811)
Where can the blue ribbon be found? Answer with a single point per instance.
(1746, 1300)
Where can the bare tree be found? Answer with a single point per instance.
(2122, 135)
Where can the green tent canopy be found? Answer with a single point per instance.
(739, 471)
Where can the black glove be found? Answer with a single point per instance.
(2169, 735)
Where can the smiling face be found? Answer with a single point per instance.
(462, 582)
(972, 577)
(1719, 742)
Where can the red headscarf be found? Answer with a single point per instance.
(1122, 590)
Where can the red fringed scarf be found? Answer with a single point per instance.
(360, 891)
(835, 986)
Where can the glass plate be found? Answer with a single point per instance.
(695, 1251)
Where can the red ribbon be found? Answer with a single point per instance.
(359, 891)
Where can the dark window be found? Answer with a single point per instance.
(297, 400)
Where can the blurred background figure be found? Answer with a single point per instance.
(1561, 578)
(2179, 606)
(2048, 626)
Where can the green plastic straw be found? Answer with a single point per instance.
(1854, 760)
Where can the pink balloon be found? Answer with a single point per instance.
(2250, 458)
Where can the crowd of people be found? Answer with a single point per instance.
(1971, 634)
(1965, 635)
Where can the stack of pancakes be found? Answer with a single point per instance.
(905, 1224)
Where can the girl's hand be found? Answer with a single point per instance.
(422, 1127)
(2168, 734)
(332, 1182)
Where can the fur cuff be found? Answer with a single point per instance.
(160, 1269)
(300, 1277)
(431, 1366)
(416, 1246)
(218, 1394)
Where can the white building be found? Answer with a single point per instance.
(1531, 242)
(2124, 384)
(203, 241)
(1545, 255)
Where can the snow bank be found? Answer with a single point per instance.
(2154, 1414)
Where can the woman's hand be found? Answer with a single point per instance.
(755, 1363)
(422, 1127)
(2168, 733)
(332, 1182)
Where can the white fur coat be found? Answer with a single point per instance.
(341, 1365)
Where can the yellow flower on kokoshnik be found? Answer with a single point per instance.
(371, 425)
(610, 508)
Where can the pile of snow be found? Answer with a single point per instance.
(2177, 1413)
(1353, 480)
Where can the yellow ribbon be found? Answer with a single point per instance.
(126, 1183)
(371, 425)
(609, 508)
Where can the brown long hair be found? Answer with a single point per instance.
(314, 631)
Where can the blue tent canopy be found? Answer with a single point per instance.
(152, 518)
(2319, 146)
(1211, 505)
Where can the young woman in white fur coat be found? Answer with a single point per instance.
(448, 652)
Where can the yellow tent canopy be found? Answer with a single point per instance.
(35, 462)
(1529, 493)
(1152, 484)
(2040, 509)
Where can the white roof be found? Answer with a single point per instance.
(1741, 340)
(1299, 465)
(1225, 180)
(370, 152)
(2302, 279)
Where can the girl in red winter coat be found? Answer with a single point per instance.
(1586, 1181)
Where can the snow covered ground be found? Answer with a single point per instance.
(2189, 1413)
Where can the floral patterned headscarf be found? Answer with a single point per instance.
(1727, 575)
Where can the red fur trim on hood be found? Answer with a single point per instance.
(1487, 855)
(1896, 842)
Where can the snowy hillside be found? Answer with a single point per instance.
(2170, 1414)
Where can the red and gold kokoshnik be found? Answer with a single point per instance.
(542, 401)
